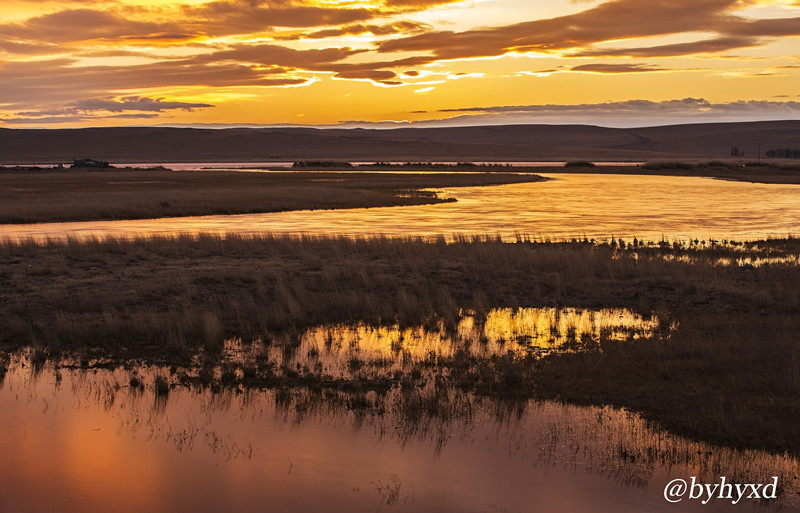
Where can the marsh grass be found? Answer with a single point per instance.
(722, 366)
(632, 450)
(101, 195)
(135, 382)
(5, 359)
(161, 386)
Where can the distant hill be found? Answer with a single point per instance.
(477, 143)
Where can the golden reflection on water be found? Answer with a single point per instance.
(94, 442)
(519, 331)
(568, 206)
(553, 327)
(741, 261)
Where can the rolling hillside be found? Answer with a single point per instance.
(477, 143)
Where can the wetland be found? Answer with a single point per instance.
(426, 369)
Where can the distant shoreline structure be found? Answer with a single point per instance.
(89, 163)
(79, 165)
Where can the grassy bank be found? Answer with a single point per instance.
(69, 195)
(767, 171)
(729, 373)
(750, 171)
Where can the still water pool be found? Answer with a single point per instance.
(112, 439)
(77, 441)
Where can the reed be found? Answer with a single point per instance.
(160, 386)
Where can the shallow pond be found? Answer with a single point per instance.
(148, 438)
(569, 205)
(86, 441)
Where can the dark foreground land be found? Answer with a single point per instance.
(724, 367)
(80, 195)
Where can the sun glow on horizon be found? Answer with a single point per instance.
(195, 61)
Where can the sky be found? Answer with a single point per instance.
(388, 63)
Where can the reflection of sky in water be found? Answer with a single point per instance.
(87, 442)
(522, 331)
(596, 206)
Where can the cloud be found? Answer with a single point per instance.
(369, 74)
(613, 20)
(265, 43)
(737, 26)
(78, 25)
(99, 108)
(126, 24)
(316, 60)
(70, 119)
(27, 48)
(608, 21)
(716, 45)
(616, 68)
(415, 5)
(28, 85)
(683, 105)
(134, 103)
(399, 27)
(628, 113)
(276, 55)
(226, 17)
(58, 81)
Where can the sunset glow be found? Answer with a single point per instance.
(390, 62)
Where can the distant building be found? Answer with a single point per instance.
(90, 163)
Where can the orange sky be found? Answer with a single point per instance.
(386, 62)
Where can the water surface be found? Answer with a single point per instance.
(568, 206)
(109, 439)
(87, 442)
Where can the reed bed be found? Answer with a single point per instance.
(724, 369)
